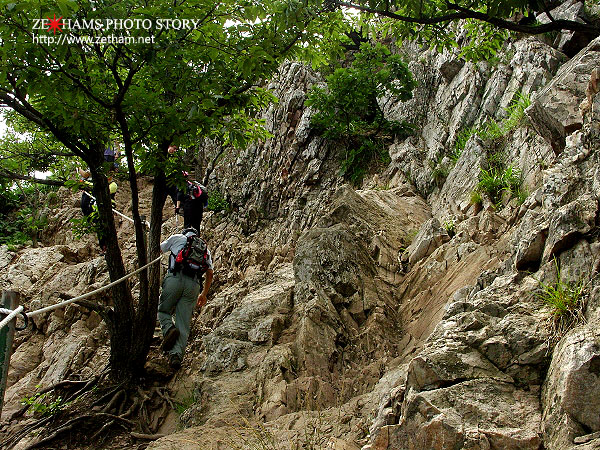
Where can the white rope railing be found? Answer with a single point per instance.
(13, 313)
(146, 223)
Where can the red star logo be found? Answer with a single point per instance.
(55, 24)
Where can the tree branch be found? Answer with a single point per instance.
(21, 106)
(555, 25)
(464, 13)
(391, 15)
(15, 176)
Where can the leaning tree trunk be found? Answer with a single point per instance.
(143, 325)
(146, 314)
(120, 323)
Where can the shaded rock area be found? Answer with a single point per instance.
(399, 314)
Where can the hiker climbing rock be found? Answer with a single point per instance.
(188, 261)
(193, 199)
(112, 153)
(89, 207)
(172, 189)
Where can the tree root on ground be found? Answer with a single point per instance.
(89, 415)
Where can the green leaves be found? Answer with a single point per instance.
(188, 83)
(566, 302)
(348, 111)
(484, 40)
(495, 182)
(478, 28)
(67, 7)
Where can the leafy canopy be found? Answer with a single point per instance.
(485, 24)
(184, 84)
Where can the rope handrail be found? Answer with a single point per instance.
(94, 292)
(13, 313)
(146, 223)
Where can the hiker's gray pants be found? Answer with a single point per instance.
(179, 295)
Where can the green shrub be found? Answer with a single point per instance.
(491, 129)
(521, 195)
(348, 112)
(21, 227)
(20, 212)
(82, 226)
(217, 202)
(11, 232)
(43, 405)
(450, 227)
(462, 137)
(476, 198)
(491, 183)
(357, 160)
(516, 110)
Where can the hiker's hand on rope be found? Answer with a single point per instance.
(201, 300)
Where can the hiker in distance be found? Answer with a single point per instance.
(172, 189)
(88, 203)
(193, 198)
(189, 260)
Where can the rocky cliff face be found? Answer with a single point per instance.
(401, 315)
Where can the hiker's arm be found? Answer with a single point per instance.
(165, 246)
(202, 297)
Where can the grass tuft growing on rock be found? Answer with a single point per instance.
(565, 302)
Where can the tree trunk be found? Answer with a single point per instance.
(121, 323)
(131, 329)
(146, 315)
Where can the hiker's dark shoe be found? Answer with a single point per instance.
(174, 361)
(169, 340)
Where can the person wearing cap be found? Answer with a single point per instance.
(181, 291)
(112, 153)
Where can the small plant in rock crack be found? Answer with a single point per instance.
(217, 202)
(184, 404)
(450, 227)
(495, 182)
(566, 303)
(41, 404)
(252, 436)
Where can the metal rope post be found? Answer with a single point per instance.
(9, 300)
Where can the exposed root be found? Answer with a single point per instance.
(149, 437)
(116, 398)
(109, 394)
(139, 412)
(73, 422)
(52, 436)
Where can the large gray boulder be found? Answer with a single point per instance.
(476, 414)
(568, 223)
(554, 112)
(430, 236)
(571, 394)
